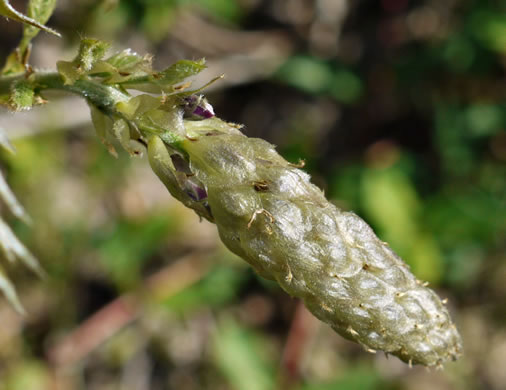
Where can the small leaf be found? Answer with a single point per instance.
(128, 60)
(121, 131)
(41, 11)
(138, 106)
(13, 63)
(168, 79)
(179, 71)
(103, 126)
(7, 10)
(9, 292)
(68, 72)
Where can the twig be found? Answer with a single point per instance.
(300, 336)
(125, 309)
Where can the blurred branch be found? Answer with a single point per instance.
(300, 336)
(125, 309)
(243, 56)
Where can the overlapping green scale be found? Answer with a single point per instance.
(268, 212)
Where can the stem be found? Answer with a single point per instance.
(104, 97)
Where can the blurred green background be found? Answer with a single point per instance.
(398, 108)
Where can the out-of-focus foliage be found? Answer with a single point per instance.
(398, 108)
(11, 248)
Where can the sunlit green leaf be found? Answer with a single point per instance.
(122, 67)
(138, 106)
(28, 374)
(392, 204)
(127, 60)
(179, 71)
(205, 293)
(41, 11)
(237, 354)
(490, 27)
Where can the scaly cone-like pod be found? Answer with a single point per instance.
(268, 212)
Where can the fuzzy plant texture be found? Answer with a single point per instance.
(266, 209)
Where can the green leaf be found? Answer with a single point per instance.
(128, 60)
(238, 355)
(41, 11)
(121, 131)
(68, 72)
(308, 74)
(205, 293)
(13, 63)
(393, 205)
(124, 250)
(179, 71)
(490, 28)
(7, 10)
(166, 80)
(103, 126)
(122, 67)
(138, 105)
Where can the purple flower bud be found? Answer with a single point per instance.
(197, 107)
(195, 191)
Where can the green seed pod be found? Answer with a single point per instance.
(269, 213)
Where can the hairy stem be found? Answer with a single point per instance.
(103, 96)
